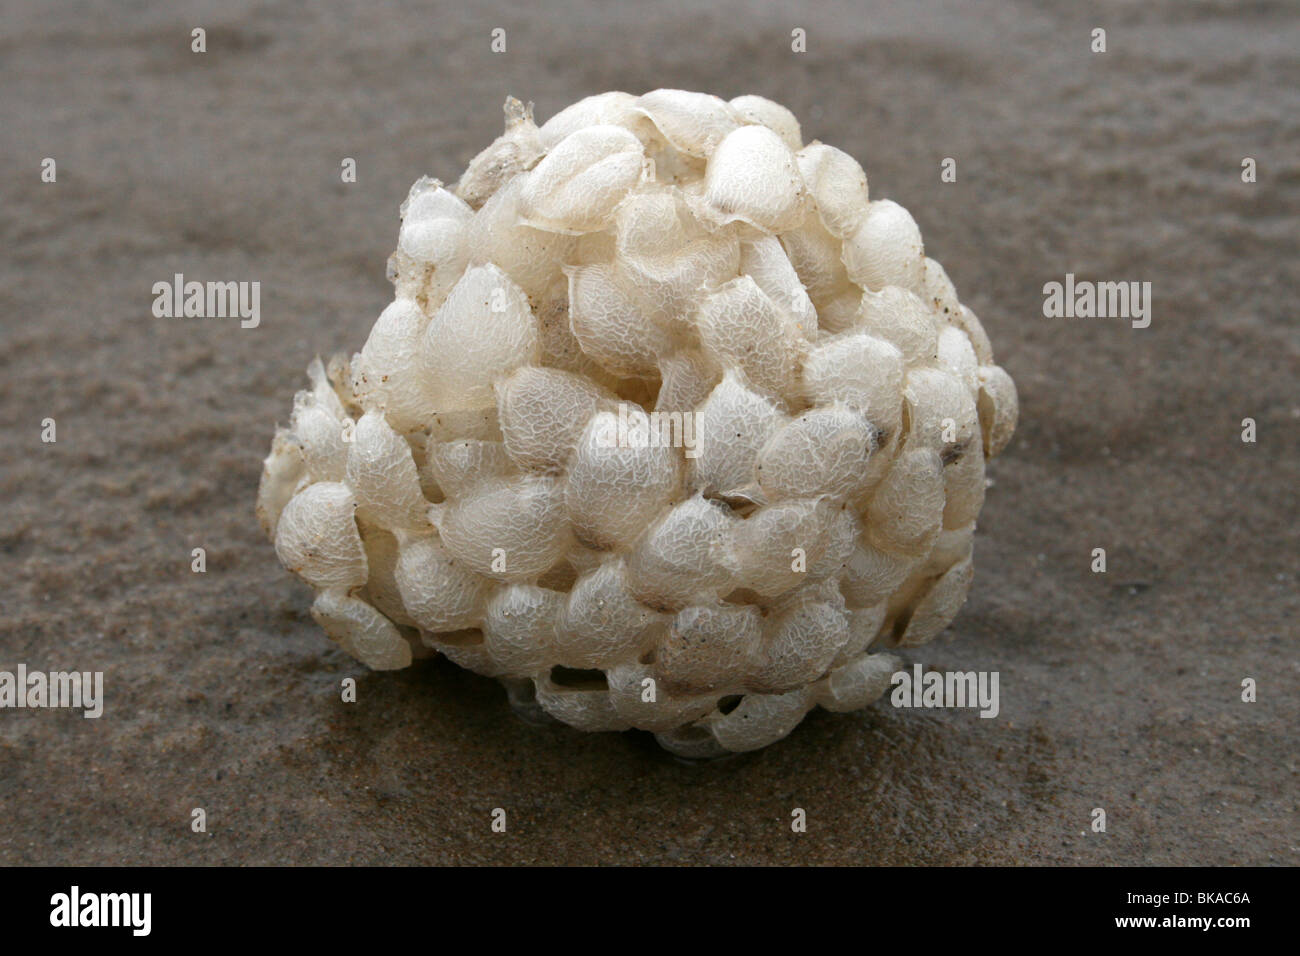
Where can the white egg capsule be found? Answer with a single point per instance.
(317, 538)
(432, 250)
(361, 631)
(732, 426)
(639, 699)
(383, 476)
(440, 593)
(609, 323)
(760, 719)
(861, 371)
(777, 544)
(543, 413)
(823, 451)
(999, 408)
(519, 626)
(484, 330)
(758, 109)
(753, 177)
(281, 473)
(511, 529)
(708, 648)
(800, 643)
(624, 472)
(601, 623)
(838, 187)
(886, 249)
(580, 181)
(601, 109)
(857, 683)
(500, 236)
(745, 329)
(387, 374)
(685, 557)
(694, 123)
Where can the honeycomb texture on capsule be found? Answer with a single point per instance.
(669, 426)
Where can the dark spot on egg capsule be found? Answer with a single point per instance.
(952, 453)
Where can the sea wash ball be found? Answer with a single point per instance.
(669, 426)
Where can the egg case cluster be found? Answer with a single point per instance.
(467, 483)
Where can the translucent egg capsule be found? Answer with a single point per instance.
(440, 593)
(732, 426)
(777, 544)
(823, 451)
(317, 538)
(601, 623)
(383, 476)
(999, 408)
(766, 262)
(602, 109)
(939, 606)
(872, 574)
(694, 123)
(861, 371)
(744, 328)
(513, 152)
(484, 330)
(639, 699)
(708, 648)
(753, 178)
(906, 512)
(511, 529)
(387, 373)
(381, 582)
(800, 642)
(610, 324)
(864, 627)
(432, 250)
(817, 259)
(543, 413)
(760, 719)
(459, 465)
(282, 471)
(901, 317)
(838, 187)
(360, 630)
(685, 556)
(531, 257)
(758, 109)
(857, 683)
(579, 701)
(580, 181)
(886, 249)
(624, 472)
(519, 626)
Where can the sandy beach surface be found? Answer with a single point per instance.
(1119, 691)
